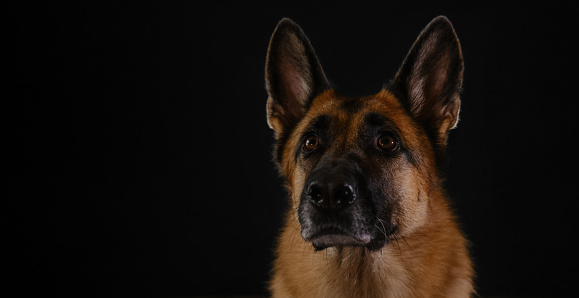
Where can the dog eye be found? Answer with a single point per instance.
(387, 142)
(310, 143)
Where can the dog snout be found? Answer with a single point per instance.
(331, 189)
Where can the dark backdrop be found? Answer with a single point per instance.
(138, 156)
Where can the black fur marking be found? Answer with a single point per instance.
(320, 127)
(352, 105)
(377, 124)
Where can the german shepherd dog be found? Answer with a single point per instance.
(368, 214)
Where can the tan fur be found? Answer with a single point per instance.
(431, 262)
(428, 259)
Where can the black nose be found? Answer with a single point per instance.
(331, 191)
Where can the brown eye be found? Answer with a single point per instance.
(387, 143)
(311, 143)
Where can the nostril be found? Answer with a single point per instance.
(344, 194)
(315, 194)
(330, 195)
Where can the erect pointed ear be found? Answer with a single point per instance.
(293, 76)
(430, 78)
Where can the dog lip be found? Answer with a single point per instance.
(334, 236)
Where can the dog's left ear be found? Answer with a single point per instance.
(430, 78)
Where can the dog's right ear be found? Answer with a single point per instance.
(293, 76)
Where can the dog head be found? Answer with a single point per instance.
(360, 170)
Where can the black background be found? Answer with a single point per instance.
(138, 156)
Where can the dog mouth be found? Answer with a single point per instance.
(337, 209)
(335, 236)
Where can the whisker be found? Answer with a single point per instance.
(383, 227)
(404, 239)
(395, 237)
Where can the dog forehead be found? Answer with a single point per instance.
(348, 113)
